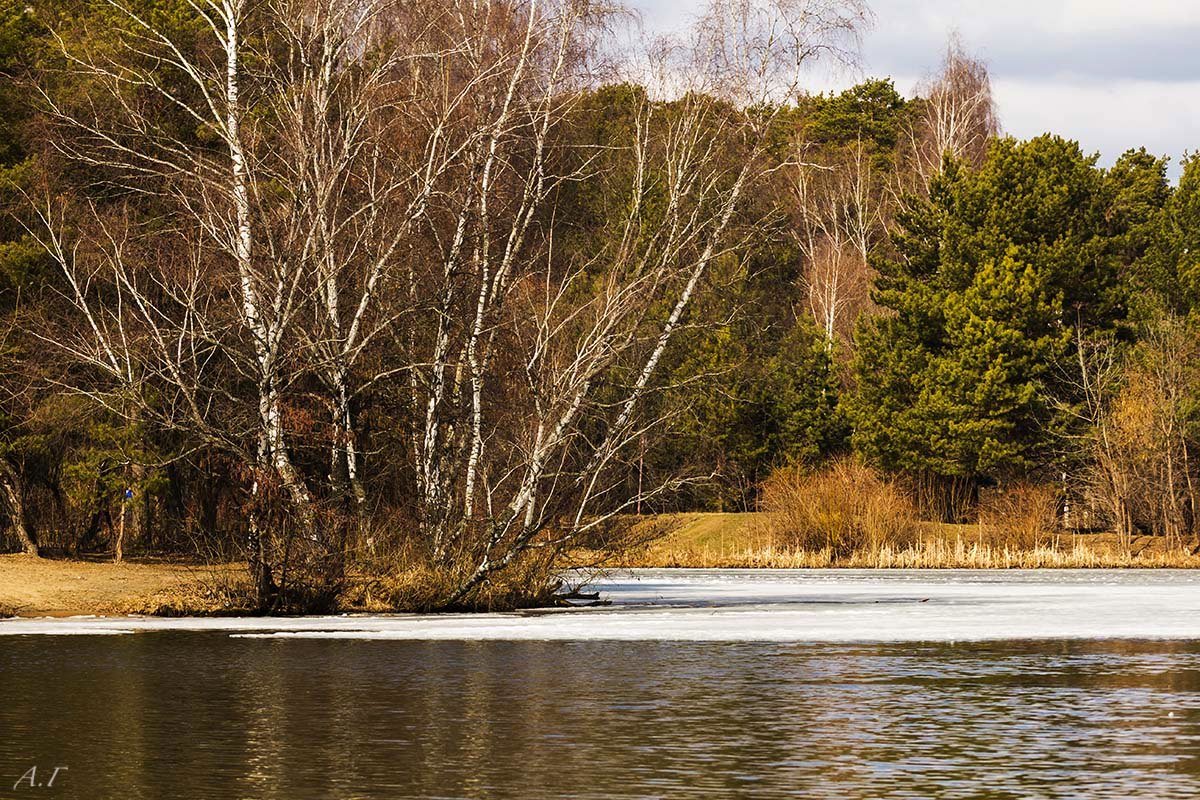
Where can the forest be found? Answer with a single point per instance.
(434, 295)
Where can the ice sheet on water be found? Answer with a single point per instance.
(778, 606)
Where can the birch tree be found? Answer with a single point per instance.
(218, 166)
(959, 117)
(840, 215)
(507, 468)
(306, 207)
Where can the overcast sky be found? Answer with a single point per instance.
(1113, 74)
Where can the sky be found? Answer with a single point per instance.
(1112, 74)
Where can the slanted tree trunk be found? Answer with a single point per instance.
(10, 493)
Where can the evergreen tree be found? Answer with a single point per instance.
(993, 273)
(872, 111)
(1170, 271)
(1137, 192)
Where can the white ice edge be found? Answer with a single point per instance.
(775, 606)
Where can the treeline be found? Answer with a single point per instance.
(428, 294)
(1016, 318)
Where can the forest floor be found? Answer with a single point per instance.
(59, 587)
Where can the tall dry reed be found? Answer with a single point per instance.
(931, 552)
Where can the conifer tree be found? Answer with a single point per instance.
(994, 271)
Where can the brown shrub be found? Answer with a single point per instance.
(395, 571)
(1021, 517)
(841, 509)
(214, 590)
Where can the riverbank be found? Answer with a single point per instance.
(741, 541)
(54, 587)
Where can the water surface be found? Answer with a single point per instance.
(182, 713)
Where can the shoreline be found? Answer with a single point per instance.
(813, 606)
(744, 541)
(56, 587)
(59, 589)
(52, 587)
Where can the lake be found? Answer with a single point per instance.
(691, 684)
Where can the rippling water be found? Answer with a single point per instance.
(198, 714)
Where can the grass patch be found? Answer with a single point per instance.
(744, 541)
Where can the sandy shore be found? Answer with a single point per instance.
(50, 587)
(33, 587)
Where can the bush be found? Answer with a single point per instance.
(1022, 517)
(844, 508)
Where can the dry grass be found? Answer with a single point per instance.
(402, 577)
(745, 542)
(847, 515)
(420, 589)
(210, 591)
(50, 587)
(1023, 518)
(842, 509)
(41, 587)
(929, 554)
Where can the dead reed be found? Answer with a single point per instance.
(934, 552)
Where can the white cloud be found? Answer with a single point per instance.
(1110, 73)
(1118, 14)
(1110, 119)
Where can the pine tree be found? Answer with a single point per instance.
(1170, 271)
(993, 273)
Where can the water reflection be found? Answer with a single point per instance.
(202, 715)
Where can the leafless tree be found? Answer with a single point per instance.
(506, 469)
(958, 116)
(1155, 402)
(369, 212)
(1138, 451)
(177, 314)
(14, 507)
(1107, 476)
(12, 499)
(840, 214)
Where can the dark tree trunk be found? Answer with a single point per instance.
(11, 495)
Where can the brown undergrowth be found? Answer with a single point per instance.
(935, 552)
(848, 515)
